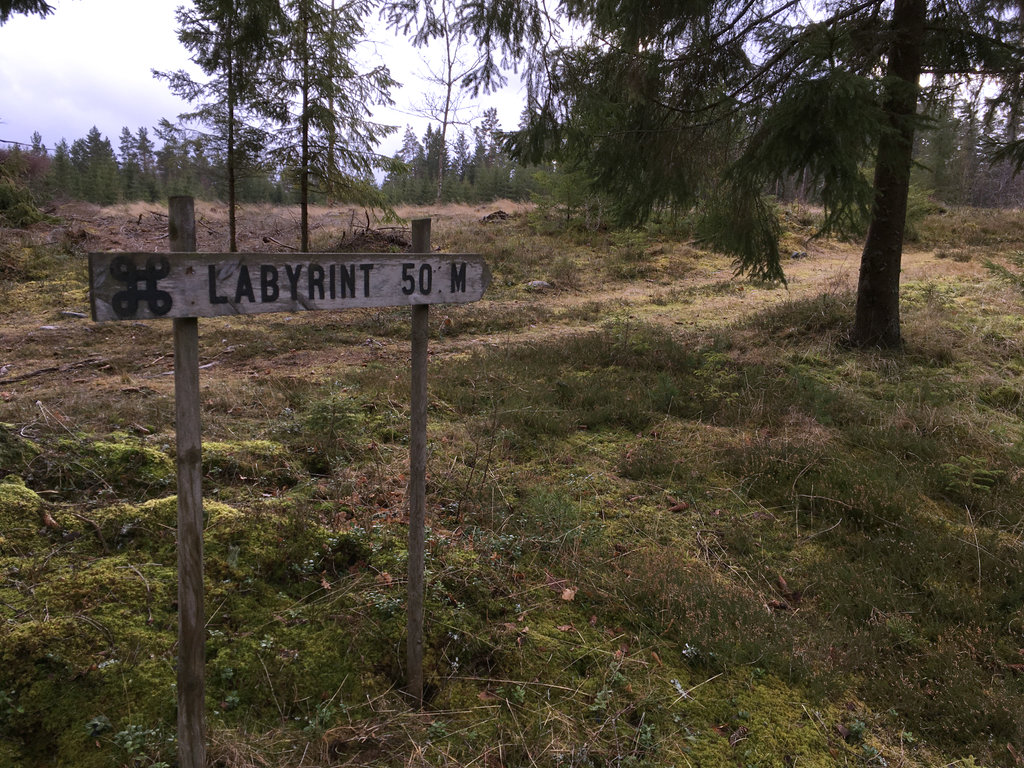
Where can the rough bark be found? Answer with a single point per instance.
(304, 129)
(232, 192)
(877, 319)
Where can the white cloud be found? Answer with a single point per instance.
(90, 62)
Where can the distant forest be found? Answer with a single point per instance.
(150, 165)
(952, 167)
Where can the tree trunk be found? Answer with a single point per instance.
(304, 130)
(232, 201)
(877, 320)
(331, 134)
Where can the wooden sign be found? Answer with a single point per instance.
(185, 286)
(137, 286)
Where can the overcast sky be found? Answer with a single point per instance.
(89, 63)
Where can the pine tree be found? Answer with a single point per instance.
(461, 157)
(487, 152)
(173, 161)
(144, 151)
(704, 106)
(411, 147)
(37, 167)
(330, 140)
(131, 170)
(436, 154)
(10, 7)
(60, 180)
(37, 147)
(231, 42)
(94, 176)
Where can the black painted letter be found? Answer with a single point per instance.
(212, 277)
(459, 277)
(268, 283)
(348, 281)
(366, 278)
(316, 281)
(244, 286)
(293, 279)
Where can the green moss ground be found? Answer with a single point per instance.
(650, 543)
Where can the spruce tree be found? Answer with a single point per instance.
(329, 139)
(145, 152)
(94, 173)
(231, 41)
(705, 105)
(10, 7)
(60, 180)
(131, 170)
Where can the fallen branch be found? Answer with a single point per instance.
(95, 527)
(208, 228)
(24, 376)
(269, 239)
(50, 369)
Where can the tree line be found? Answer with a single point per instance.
(145, 166)
(952, 167)
(433, 170)
(172, 159)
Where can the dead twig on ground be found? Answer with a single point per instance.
(52, 369)
(96, 528)
(269, 239)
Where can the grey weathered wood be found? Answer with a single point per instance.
(133, 286)
(191, 614)
(417, 480)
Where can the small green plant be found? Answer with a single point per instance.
(9, 706)
(142, 746)
(321, 718)
(513, 694)
(646, 737)
(855, 731)
(437, 730)
(98, 725)
(969, 475)
(601, 701)
(133, 739)
(1012, 275)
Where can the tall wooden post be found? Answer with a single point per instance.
(417, 480)
(191, 617)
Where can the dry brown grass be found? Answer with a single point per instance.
(566, 428)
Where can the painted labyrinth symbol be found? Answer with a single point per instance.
(126, 303)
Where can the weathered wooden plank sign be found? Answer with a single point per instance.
(137, 286)
(184, 286)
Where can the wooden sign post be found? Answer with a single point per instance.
(417, 482)
(191, 612)
(190, 285)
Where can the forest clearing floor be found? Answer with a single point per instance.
(673, 518)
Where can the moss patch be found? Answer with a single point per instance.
(21, 515)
